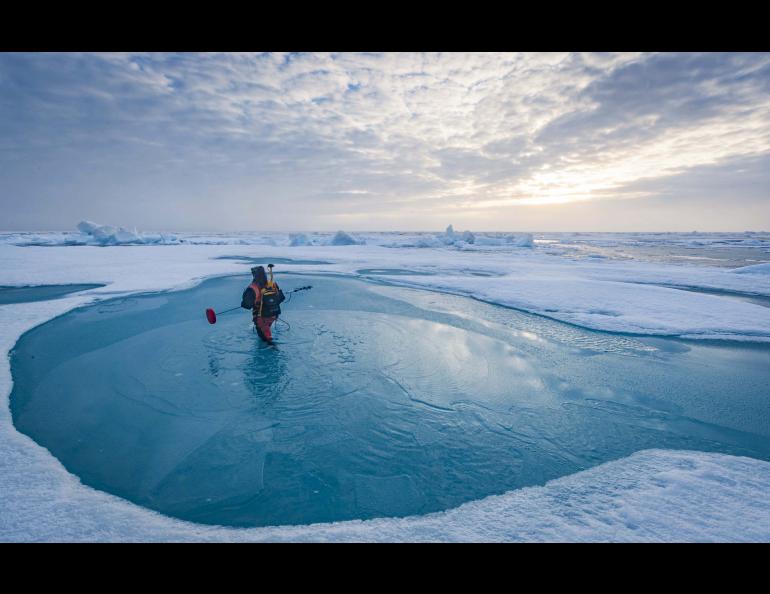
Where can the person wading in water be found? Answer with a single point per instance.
(263, 297)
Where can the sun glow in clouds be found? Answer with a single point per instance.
(340, 137)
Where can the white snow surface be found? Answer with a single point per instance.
(652, 495)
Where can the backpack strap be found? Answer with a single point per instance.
(257, 296)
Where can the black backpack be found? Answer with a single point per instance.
(272, 297)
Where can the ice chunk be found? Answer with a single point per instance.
(109, 235)
(342, 238)
(123, 235)
(448, 237)
(460, 240)
(87, 227)
(522, 240)
(297, 239)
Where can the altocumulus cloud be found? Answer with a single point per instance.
(317, 141)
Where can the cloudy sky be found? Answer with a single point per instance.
(291, 142)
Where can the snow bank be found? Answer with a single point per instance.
(615, 306)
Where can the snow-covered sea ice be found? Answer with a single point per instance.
(408, 386)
